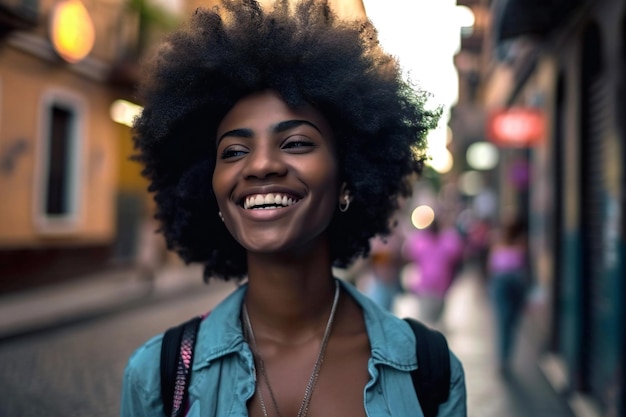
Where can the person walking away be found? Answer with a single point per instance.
(507, 285)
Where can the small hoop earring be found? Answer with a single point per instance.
(219, 213)
(344, 207)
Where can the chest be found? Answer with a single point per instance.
(286, 377)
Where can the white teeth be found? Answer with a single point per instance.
(262, 201)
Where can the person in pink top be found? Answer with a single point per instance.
(436, 252)
(507, 284)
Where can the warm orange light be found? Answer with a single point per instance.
(72, 30)
(422, 216)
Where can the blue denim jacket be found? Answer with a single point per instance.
(223, 374)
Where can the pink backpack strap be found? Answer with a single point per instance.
(177, 350)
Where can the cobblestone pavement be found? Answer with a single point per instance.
(77, 370)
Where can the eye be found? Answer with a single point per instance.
(233, 152)
(298, 144)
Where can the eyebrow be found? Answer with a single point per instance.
(290, 124)
(276, 128)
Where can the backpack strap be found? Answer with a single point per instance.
(176, 361)
(432, 379)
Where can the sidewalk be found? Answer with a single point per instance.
(96, 294)
(524, 392)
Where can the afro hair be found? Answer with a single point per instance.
(307, 55)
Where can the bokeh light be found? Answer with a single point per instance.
(482, 155)
(441, 160)
(471, 183)
(422, 216)
(72, 30)
(124, 112)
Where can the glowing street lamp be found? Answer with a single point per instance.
(71, 30)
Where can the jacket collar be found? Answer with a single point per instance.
(392, 342)
(391, 339)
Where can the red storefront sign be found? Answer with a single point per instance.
(516, 127)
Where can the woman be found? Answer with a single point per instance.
(275, 142)
(508, 277)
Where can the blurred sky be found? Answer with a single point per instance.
(424, 35)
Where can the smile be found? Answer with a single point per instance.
(268, 201)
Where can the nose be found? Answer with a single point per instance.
(264, 161)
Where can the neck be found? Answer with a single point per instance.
(289, 297)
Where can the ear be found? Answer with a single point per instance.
(344, 194)
(344, 198)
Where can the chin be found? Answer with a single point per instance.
(278, 247)
(266, 245)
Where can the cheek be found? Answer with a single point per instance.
(328, 182)
(218, 185)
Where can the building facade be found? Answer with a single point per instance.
(67, 189)
(566, 60)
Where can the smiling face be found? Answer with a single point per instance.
(276, 175)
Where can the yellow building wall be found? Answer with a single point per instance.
(129, 178)
(24, 80)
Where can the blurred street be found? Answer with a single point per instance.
(76, 369)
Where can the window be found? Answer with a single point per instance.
(57, 202)
(61, 134)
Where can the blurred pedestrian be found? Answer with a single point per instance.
(381, 279)
(277, 142)
(507, 284)
(436, 253)
(478, 240)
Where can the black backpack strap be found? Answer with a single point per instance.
(432, 378)
(176, 361)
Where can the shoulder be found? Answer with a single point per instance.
(144, 364)
(456, 370)
(141, 386)
(456, 405)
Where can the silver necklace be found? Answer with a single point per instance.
(308, 392)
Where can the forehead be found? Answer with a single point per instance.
(263, 109)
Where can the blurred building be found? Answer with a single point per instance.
(70, 200)
(547, 84)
